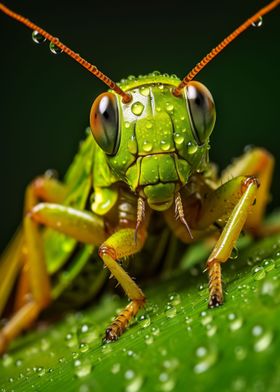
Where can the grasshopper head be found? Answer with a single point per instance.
(155, 142)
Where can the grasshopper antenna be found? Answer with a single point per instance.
(214, 52)
(75, 56)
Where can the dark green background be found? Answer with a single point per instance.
(45, 99)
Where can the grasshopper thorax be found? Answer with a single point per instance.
(155, 142)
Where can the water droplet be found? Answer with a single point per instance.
(144, 320)
(116, 368)
(234, 253)
(82, 368)
(7, 360)
(165, 146)
(127, 124)
(259, 273)
(170, 311)
(137, 108)
(263, 338)
(149, 125)
(268, 264)
(37, 37)
(211, 330)
(179, 139)
(71, 340)
(83, 347)
(240, 353)
(147, 146)
(132, 145)
(169, 107)
(156, 73)
(135, 384)
(206, 358)
(55, 49)
(235, 322)
(174, 299)
(149, 339)
(155, 331)
(145, 91)
(18, 362)
(206, 318)
(129, 374)
(269, 292)
(192, 148)
(87, 333)
(131, 77)
(258, 23)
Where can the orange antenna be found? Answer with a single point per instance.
(90, 67)
(214, 52)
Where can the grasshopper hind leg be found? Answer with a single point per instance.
(24, 256)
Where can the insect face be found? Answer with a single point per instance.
(157, 140)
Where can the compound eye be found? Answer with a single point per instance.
(201, 109)
(104, 122)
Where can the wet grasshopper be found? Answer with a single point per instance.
(146, 159)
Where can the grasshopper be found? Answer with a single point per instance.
(145, 160)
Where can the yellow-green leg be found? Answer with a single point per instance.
(25, 254)
(259, 163)
(122, 244)
(228, 237)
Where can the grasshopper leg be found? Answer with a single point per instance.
(88, 228)
(25, 254)
(259, 163)
(122, 244)
(230, 233)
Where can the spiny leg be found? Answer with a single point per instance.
(259, 163)
(25, 253)
(223, 248)
(119, 245)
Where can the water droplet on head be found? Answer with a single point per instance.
(37, 37)
(169, 107)
(149, 125)
(258, 23)
(192, 148)
(137, 108)
(132, 145)
(55, 49)
(179, 139)
(165, 146)
(131, 77)
(147, 146)
(145, 91)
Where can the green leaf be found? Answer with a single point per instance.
(176, 344)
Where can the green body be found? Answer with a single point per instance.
(156, 157)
